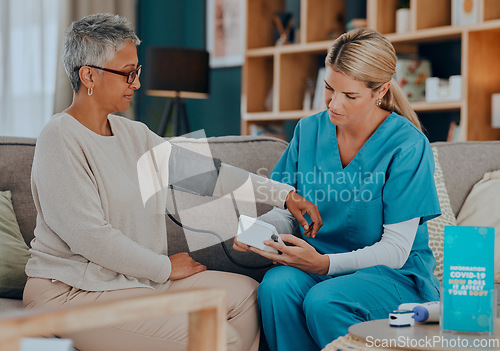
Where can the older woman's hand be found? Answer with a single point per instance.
(184, 266)
(298, 206)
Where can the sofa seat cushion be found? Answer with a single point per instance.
(14, 252)
(436, 225)
(481, 209)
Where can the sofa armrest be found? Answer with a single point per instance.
(206, 308)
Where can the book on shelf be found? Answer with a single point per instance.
(451, 131)
(308, 94)
(319, 92)
(454, 132)
(270, 130)
(268, 103)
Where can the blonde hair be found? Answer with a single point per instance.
(366, 55)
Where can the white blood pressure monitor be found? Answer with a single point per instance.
(254, 232)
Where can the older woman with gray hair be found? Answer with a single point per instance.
(98, 237)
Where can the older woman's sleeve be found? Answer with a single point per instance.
(282, 220)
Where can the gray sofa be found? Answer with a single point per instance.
(463, 164)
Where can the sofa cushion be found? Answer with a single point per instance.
(436, 225)
(13, 251)
(16, 159)
(464, 164)
(481, 209)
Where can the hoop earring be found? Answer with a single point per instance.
(379, 102)
(90, 91)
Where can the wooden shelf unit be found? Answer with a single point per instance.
(274, 77)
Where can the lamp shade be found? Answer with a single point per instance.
(180, 72)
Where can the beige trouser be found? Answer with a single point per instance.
(168, 333)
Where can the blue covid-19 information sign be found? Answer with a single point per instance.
(468, 292)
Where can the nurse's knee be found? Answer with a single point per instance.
(316, 303)
(280, 279)
(323, 302)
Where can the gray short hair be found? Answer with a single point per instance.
(94, 40)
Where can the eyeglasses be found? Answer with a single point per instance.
(130, 75)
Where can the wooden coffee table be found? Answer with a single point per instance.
(379, 335)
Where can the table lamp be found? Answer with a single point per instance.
(179, 73)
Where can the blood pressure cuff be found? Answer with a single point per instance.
(192, 172)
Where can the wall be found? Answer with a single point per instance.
(181, 23)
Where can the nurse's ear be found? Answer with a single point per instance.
(384, 88)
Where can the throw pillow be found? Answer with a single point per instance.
(14, 252)
(481, 209)
(436, 225)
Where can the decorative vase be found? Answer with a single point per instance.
(402, 20)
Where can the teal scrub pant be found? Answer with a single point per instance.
(305, 312)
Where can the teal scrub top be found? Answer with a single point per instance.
(390, 180)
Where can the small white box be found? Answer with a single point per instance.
(443, 89)
(46, 344)
(495, 110)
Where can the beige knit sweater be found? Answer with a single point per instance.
(95, 229)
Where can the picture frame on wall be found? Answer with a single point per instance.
(226, 23)
(464, 12)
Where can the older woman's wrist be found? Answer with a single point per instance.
(164, 270)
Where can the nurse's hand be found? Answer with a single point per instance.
(302, 255)
(298, 206)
